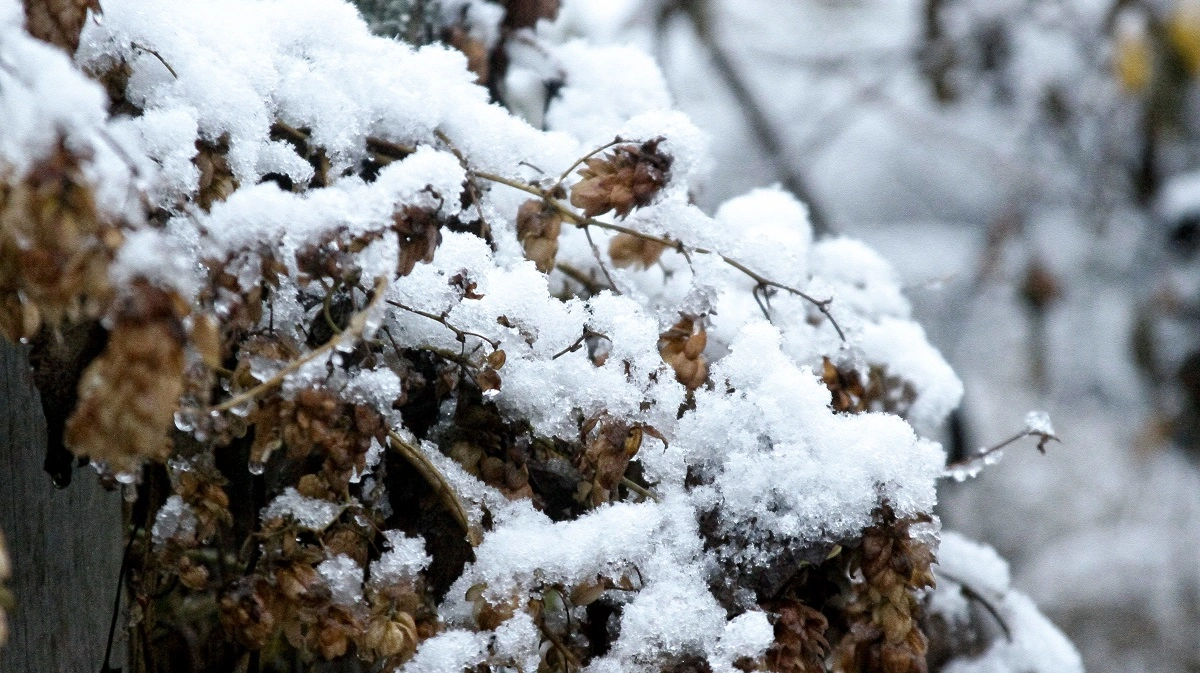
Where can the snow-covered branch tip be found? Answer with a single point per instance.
(583, 221)
(1037, 424)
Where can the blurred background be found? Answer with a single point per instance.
(1032, 170)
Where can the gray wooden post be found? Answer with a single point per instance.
(65, 544)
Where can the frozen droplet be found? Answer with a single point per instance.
(255, 467)
(125, 478)
(489, 394)
(184, 422)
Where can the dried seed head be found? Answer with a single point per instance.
(55, 248)
(682, 347)
(628, 177)
(538, 227)
(627, 250)
(217, 182)
(128, 395)
(420, 234)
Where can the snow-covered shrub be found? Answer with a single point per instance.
(396, 376)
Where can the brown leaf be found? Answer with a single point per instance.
(58, 22)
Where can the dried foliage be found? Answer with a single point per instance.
(55, 248)
(58, 22)
(682, 347)
(883, 612)
(538, 227)
(627, 177)
(128, 395)
(627, 250)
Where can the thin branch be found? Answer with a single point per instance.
(579, 277)
(600, 261)
(460, 334)
(472, 185)
(567, 173)
(357, 325)
(157, 55)
(579, 342)
(1043, 439)
(822, 305)
(436, 480)
(978, 597)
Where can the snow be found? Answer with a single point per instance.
(310, 513)
(404, 558)
(760, 446)
(344, 578)
(175, 520)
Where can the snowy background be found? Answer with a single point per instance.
(1103, 532)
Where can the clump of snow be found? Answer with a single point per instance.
(309, 513)
(344, 577)
(1038, 423)
(404, 558)
(175, 520)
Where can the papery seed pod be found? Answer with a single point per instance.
(627, 250)
(538, 227)
(217, 181)
(394, 637)
(628, 177)
(128, 395)
(800, 645)
(420, 234)
(682, 347)
(882, 610)
(246, 612)
(58, 22)
(496, 359)
(55, 248)
(192, 575)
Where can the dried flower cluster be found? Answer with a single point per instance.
(883, 611)
(628, 177)
(55, 248)
(359, 426)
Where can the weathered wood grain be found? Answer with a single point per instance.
(65, 544)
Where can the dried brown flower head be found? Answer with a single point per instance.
(420, 233)
(800, 645)
(538, 227)
(55, 248)
(128, 395)
(626, 178)
(217, 182)
(882, 610)
(682, 347)
(627, 250)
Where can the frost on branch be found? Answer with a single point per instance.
(405, 379)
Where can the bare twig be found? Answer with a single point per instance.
(357, 325)
(472, 185)
(600, 261)
(587, 333)
(157, 55)
(971, 593)
(578, 220)
(580, 277)
(460, 334)
(1043, 439)
(565, 174)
